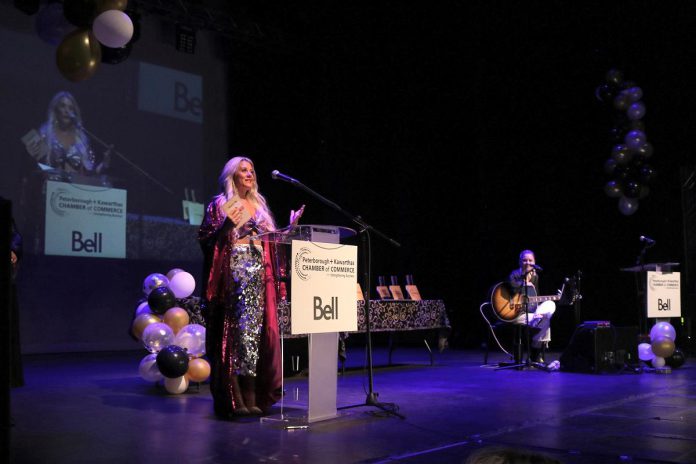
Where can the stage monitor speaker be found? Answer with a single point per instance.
(597, 347)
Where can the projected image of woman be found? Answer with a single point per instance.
(243, 339)
(63, 143)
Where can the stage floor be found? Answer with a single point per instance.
(93, 407)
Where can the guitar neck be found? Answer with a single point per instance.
(539, 299)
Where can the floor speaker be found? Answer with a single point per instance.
(601, 347)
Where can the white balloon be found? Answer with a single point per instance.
(172, 272)
(154, 281)
(663, 329)
(645, 352)
(148, 369)
(658, 362)
(182, 284)
(143, 308)
(176, 385)
(156, 336)
(191, 337)
(113, 28)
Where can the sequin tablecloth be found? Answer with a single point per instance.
(388, 315)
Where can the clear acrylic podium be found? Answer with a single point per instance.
(323, 347)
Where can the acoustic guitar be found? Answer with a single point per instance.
(508, 305)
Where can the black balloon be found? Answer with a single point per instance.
(622, 172)
(610, 166)
(605, 93)
(646, 150)
(115, 55)
(647, 173)
(621, 154)
(677, 359)
(636, 124)
(615, 77)
(617, 134)
(79, 12)
(161, 299)
(621, 102)
(638, 160)
(172, 361)
(632, 189)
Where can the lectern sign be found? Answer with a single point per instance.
(663, 294)
(323, 287)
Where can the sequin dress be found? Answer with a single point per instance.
(240, 312)
(77, 157)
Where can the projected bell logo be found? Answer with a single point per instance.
(83, 220)
(170, 92)
(88, 245)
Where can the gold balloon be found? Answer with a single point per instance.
(142, 321)
(662, 347)
(78, 55)
(176, 318)
(198, 370)
(105, 5)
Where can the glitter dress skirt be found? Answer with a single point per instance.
(247, 319)
(234, 328)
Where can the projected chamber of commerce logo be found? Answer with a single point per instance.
(306, 265)
(62, 203)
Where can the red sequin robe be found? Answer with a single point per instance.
(217, 238)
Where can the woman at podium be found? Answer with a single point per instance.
(243, 339)
(62, 143)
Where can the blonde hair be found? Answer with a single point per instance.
(228, 190)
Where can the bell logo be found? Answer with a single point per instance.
(327, 312)
(90, 245)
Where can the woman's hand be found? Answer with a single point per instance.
(296, 215)
(235, 215)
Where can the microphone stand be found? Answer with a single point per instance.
(364, 228)
(123, 157)
(640, 286)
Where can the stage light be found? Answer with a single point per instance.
(185, 38)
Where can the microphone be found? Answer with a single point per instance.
(279, 175)
(73, 117)
(647, 240)
(536, 267)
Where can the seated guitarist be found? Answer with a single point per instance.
(539, 315)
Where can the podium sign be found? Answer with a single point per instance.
(85, 220)
(663, 296)
(323, 283)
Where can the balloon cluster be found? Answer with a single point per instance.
(176, 347)
(628, 164)
(661, 350)
(87, 33)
